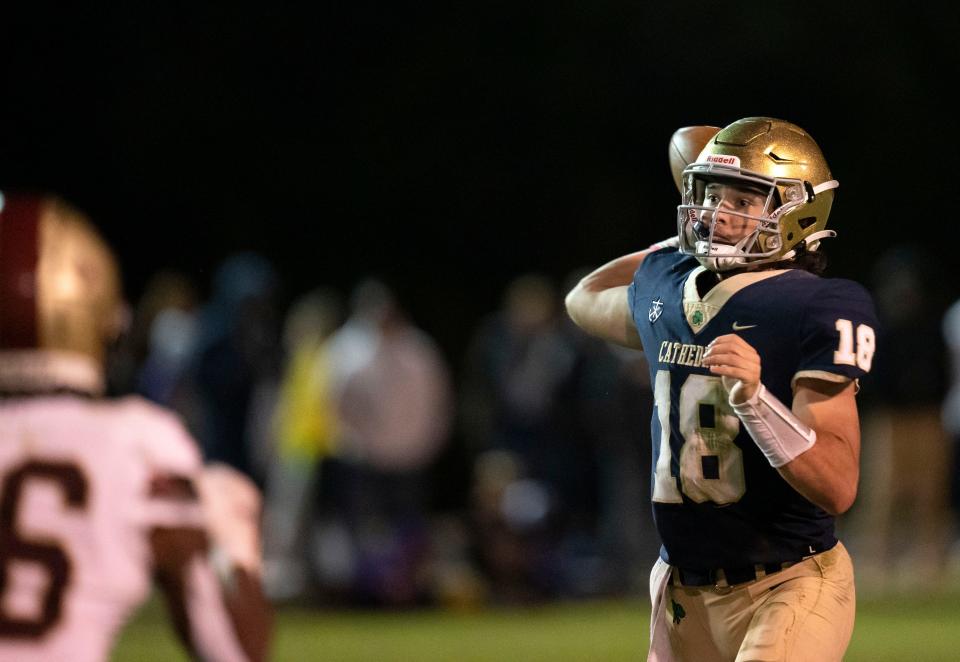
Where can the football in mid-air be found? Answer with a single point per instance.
(685, 145)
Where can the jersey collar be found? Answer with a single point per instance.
(42, 371)
(699, 311)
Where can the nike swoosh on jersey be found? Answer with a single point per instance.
(741, 327)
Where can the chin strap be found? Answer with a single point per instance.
(721, 256)
(817, 236)
(825, 186)
(812, 241)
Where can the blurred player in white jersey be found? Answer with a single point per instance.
(100, 498)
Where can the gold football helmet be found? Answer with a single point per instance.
(758, 190)
(60, 297)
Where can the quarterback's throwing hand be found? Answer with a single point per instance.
(737, 362)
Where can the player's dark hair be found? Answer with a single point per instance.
(813, 261)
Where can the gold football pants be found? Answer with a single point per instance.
(804, 612)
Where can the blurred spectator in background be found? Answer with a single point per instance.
(172, 329)
(154, 358)
(951, 415)
(165, 292)
(305, 428)
(553, 419)
(612, 393)
(903, 512)
(236, 364)
(393, 401)
(517, 364)
(510, 518)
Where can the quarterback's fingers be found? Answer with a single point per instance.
(731, 364)
(746, 376)
(727, 349)
(730, 357)
(731, 340)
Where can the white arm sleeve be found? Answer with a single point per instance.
(774, 428)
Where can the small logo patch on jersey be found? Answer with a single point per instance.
(697, 318)
(678, 611)
(656, 309)
(741, 327)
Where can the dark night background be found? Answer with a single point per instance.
(451, 146)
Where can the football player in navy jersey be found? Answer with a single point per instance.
(754, 359)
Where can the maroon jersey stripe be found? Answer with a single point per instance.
(172, 486)
(19, 253)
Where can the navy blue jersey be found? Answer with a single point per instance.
(717, 501)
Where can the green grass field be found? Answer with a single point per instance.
(920, 628)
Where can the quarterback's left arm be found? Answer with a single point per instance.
(815, 445)
(828, 472)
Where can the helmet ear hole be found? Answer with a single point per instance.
(806, 222)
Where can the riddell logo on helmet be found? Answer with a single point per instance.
(724, 160)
